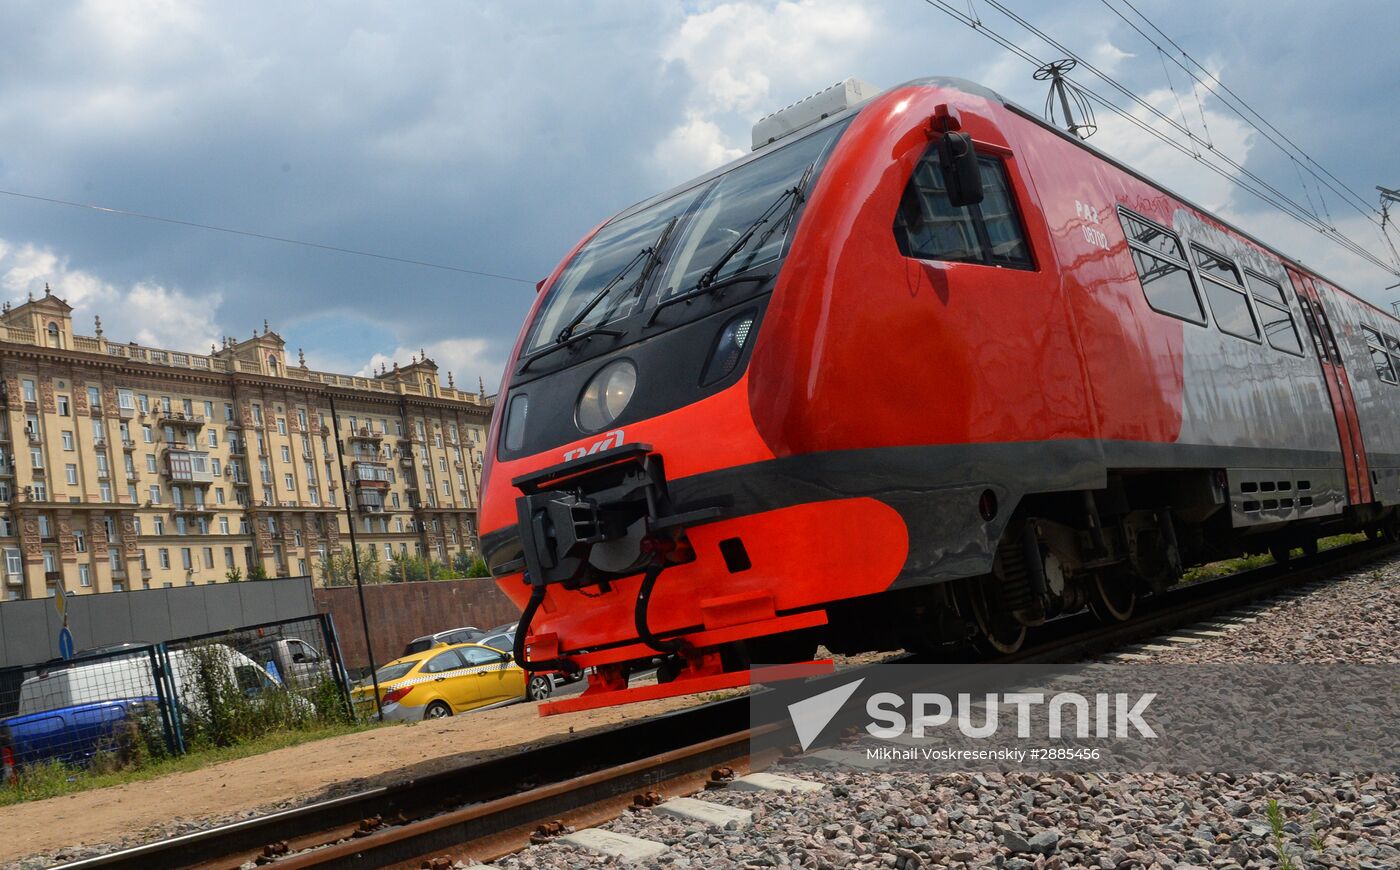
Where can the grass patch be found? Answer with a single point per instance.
(53, 779)
(1246, 563)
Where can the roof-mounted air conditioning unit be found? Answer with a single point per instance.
(810, 110)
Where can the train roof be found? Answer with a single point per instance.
(970, 87)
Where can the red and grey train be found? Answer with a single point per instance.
(925, 370)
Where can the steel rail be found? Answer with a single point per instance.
(479, 799)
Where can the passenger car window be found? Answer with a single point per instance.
(478, 656)
(443, 661)
(928, 227)
(1279, 328)
(1228, 301)
(1385, 369)
(1162, 270)
(498, 641)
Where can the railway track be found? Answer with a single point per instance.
(492, 808)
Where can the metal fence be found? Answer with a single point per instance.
(108, 707)
(123, 706)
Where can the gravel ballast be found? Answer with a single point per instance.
(1021, 820)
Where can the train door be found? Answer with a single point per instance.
(1338, 388)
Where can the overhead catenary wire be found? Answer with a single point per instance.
(1255, 185)
(339, 249)
(1240, 107)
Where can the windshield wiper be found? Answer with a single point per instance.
(793, 195)
(651, 254)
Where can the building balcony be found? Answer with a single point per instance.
(370, 507)
(192, 509)
(34, 437)
(180, 418)
(128, 444)
(370, 474)
(365, 434)
(237, 448)
(103, 474)
(188, 466)
(241, 481)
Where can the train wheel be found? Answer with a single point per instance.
(1309, 546)
(996, 632)
(1281, 553)
(1113, 598)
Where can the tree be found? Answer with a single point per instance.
(257, 572)
(233, 575)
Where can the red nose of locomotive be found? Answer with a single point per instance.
(629, 377)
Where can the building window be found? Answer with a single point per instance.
(288, 482)
(14, 566)
(257, 414)
(155, 494)
(228, 412)
(105, 490)
(186, 559)
(228, 557)
(281, 425)
(94, 398)
(146, 434)
(219, 495)
(213, 438)
(84, 575)
(209, 557)
(164, 555)
(70, 473)
(63, 406)
(30, 392)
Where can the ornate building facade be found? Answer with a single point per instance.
(129, 467)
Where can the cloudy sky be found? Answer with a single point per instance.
(488, 136)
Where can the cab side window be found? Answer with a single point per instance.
(928, 227)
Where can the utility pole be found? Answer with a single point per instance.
(355, 555)
(1387, 197)
(1071, 101)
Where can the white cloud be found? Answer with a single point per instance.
(747, 58)
(466, 358)
(145, 312)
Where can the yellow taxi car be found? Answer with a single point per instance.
(446, 680)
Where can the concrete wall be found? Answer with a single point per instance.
(29, 629)
(399, 612)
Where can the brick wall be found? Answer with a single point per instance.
(399, 612)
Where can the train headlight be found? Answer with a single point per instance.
(729, 348)
(606, 395)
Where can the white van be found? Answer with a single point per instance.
(130, 677)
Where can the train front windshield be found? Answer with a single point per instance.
(701, 238)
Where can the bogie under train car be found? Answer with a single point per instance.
(920, 370)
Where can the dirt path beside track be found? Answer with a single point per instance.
(72, 825)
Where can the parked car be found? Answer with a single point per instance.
(505, 642)
(71, 734)
(465, 634)
(444, 681)
(291, 660)
(66, 712)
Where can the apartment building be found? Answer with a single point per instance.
(132, 467)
